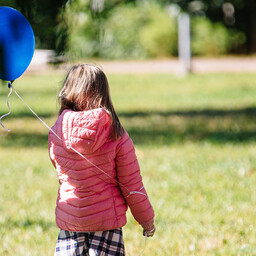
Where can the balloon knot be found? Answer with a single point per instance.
(10, 84)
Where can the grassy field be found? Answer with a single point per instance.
(195, 139)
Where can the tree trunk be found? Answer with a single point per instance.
(252, 31)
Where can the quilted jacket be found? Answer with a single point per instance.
(94, 192)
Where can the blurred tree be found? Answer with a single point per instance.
(119, 29)
(93, 12)
(237, 14)
(49, 21)
(42, 16)
(7, 3)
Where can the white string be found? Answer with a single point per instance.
(146, 236)
(9, 110)
(80, 154)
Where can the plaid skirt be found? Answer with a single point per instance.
(100, 243)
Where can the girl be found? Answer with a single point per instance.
(98, 171)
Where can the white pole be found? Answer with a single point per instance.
(184, 42)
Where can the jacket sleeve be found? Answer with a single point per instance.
(130, 180)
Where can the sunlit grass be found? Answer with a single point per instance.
(195, 139)
(28, 190)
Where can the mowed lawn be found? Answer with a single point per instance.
(195, 139)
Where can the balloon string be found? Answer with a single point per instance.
(146, 236)
(80, 154)
(9, 85)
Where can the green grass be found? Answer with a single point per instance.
(195, 139)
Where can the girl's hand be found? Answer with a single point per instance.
(149, 233)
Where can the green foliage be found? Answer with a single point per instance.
(141, 29)
(7, 3)
(121, 33)
(42, 15)
(159, 36)
(213, 38)
(83, 29)
(126, 31)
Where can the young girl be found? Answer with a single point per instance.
(98, 171)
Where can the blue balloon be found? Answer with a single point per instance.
(17, 43)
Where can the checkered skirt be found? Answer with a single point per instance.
(100, 243)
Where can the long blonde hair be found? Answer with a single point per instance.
(85, 88)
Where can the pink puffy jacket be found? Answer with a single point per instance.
(90, 200)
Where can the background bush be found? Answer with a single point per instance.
(128, 31)
(159, 36)
(138, 30)
(120, 38)
(213, 38)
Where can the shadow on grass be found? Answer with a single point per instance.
(23, 140)
(167, 137)
(26, 113)
(215, 126)
(35, 93)
(207, 113)
(165, 128)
